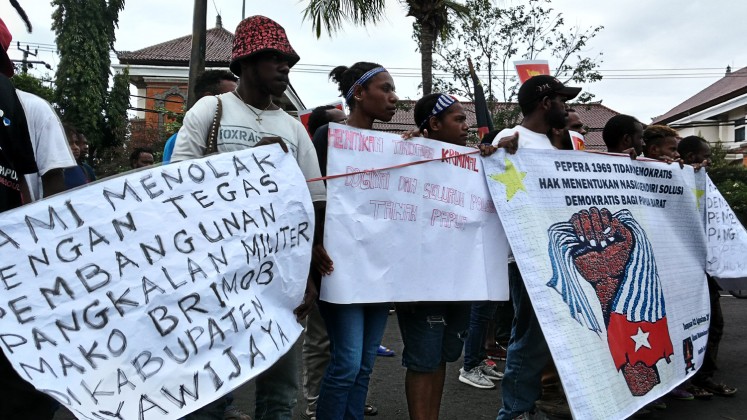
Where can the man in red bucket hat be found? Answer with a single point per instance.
(6, 66)
(262, 58)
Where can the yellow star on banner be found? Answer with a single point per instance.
(698, 195)
(512, 179)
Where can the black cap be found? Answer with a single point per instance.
(543, 85)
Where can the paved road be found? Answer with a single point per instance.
(462, 402)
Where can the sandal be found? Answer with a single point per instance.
(370, 410)
(384, 352)
(699, 393)
(717, 388)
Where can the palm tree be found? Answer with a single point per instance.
(431, 21)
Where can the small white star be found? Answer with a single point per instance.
(641, 339)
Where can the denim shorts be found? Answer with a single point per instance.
(432, 332)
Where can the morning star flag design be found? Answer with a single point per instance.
(612, 253)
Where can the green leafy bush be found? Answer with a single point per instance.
(731, 181)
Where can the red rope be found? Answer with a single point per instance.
(403, 165)
(418, 162)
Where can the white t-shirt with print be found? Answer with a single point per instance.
(528, 139)
(51, 148)
(239, 129)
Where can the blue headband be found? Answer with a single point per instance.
(443, 103)
(363, 79)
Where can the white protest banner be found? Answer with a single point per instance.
(426, 232)
(612, 253)
(149, 295)
(727, 241)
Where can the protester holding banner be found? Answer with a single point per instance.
(561, 137)
(542, 101)
(262, 58)
(355, 330)
(315, 350)
(695, 150)
(660, 143)
(623, 134)
(432, 332)
(553, 400)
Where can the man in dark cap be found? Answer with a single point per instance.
(542, 101)
(262, 58)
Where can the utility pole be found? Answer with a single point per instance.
(25, 63)
(197, 59)
(243, 10)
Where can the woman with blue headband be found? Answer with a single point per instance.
(441, 117)
(432, 332)
(355, 330)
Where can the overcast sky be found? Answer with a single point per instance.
(696, 37)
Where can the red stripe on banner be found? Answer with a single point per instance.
(403, 165)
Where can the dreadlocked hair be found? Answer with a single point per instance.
(22, 13)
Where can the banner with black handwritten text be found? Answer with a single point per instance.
(727, 242)
(612, 253)
(149, 295)
(426, 232)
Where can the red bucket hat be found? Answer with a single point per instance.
(6, 66)
(257, 34)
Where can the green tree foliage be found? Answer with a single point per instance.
(85, 35)
(117, 103)
(494, 37)
(431, 22)
(31, 84)
(731, 181)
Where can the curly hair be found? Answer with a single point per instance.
(655, 134)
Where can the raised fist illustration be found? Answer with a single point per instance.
(613, 254)
(603, 252)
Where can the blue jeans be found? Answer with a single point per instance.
(480, 315)
(355, 333)
(527, 353)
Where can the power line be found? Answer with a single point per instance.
(53, 48)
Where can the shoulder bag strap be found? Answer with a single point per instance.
(212, 140)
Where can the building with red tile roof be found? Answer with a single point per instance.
(161, 75)
(716, 113)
